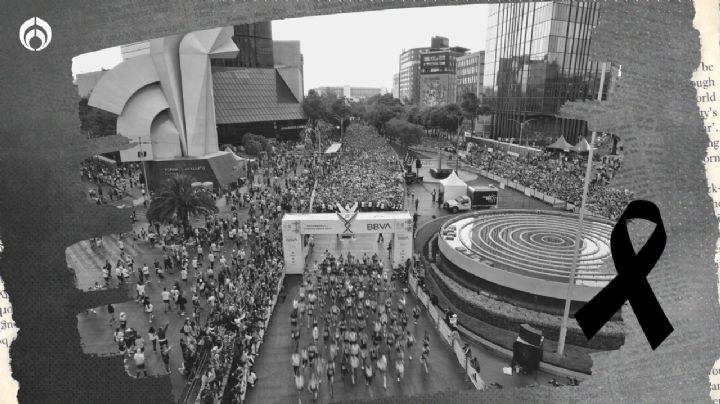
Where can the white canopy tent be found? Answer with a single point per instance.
(582, 147)
(561, 144)
(453, 186)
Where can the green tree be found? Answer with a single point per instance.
(96, 122)
(314, 107)
(413, 114)
(255, 144)
(470, 106)
(340, 110)
(385, 108)
(358, 109)
(406, 133)
(411, 136)
(452, 116)
(178, 200)
(434, 119)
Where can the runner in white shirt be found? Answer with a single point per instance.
(140, 291)
(139, 359)
(166, 299)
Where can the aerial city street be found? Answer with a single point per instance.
(300, 234)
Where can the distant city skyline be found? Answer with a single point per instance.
(355, 49)
(365, 51)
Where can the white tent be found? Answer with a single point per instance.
(453, 186)
(561, 144)
(582, 147)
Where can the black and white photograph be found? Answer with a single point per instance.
(365, 203)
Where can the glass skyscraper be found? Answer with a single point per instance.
(537, 57)
(255, 43)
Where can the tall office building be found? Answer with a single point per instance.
(537, 57)
(438, 67)
(469, 76)
(256, 47)
(409, 75)
(396, 86)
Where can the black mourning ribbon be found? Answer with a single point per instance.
(631, 283)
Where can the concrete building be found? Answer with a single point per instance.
(289, 63)
(261, 90)
(396, 86)
(438, 67)
(257, 101)
(184, 95)
(537, 57)
(255, 45)
(135, 49)
(409, 75)
(352, 93)
(469, 76)
(164, 102)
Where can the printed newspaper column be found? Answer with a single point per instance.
(715, 383)
(8, 332)
(707, 15)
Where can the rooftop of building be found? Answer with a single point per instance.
(472, 54)
(255, 95)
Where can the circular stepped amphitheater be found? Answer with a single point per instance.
(503, 268)
(530, 251)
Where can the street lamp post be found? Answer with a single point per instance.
(457, 135)
(342, 126)
(142, 159)
(522, 126)
(578, 234)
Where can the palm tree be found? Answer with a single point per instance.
(177, 198)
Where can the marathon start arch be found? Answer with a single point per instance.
(295, 226)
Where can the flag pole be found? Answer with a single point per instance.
(578, 232)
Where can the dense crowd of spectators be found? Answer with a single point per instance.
(559, 176)
(230, 272)
(437, 142)
(366, 171)
(112, 180)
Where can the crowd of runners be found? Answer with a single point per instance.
(224, 280)
(366, 171)
(359, 325)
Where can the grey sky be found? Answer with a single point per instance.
(358, 49)
(363, 49)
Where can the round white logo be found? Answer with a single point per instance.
(35, 34)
